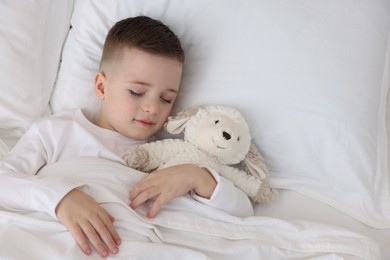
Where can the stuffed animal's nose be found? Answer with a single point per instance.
(226, 135)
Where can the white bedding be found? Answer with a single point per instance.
(311, 77)
(184, 229)
(291, 205)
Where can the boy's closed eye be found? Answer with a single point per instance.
(168, 100)
(136, 94)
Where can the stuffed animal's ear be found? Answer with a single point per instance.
(254, 164)
(176, 124)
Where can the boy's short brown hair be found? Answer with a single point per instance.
(143, 33)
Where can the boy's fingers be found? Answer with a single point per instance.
(102, 236)
(111, 217)
(90, 231)
(113, 231)
(160, 201)
(107, 232)
(157, 204)
(144, 196)
(81, 239)
(116, 237)
(139, 188)
(89, 224)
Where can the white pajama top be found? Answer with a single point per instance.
(71, 135)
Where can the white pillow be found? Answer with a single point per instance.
(31, 35)
(309, 76)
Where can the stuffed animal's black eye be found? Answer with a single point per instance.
(216, 121)
(238, 139)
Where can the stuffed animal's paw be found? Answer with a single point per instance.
(137, 158)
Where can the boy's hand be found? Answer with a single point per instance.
(88, 222)
(169, 183)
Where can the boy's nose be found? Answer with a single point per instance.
(151, 106)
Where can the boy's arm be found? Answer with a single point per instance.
(226, 197)
(85, 219)
(21, 187)
(169, 183)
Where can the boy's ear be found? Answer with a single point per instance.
(100, 79)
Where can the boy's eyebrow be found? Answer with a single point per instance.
(147, 84)
(172, 90)
(140, 82)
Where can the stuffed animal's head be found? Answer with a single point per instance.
(219, 130)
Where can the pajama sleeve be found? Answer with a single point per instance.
(21, 188)
(227, 197)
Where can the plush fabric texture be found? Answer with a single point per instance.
(31, 34)
(310, 77)
(216, 137)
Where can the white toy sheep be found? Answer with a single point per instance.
(214, 136)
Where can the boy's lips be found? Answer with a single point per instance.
(145, 122)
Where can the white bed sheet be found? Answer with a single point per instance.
(291, 205)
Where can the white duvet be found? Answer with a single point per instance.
(184, 229)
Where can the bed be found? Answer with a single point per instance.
(310, 76)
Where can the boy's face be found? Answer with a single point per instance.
(137, 93)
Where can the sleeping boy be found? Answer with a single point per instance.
(137, 84)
